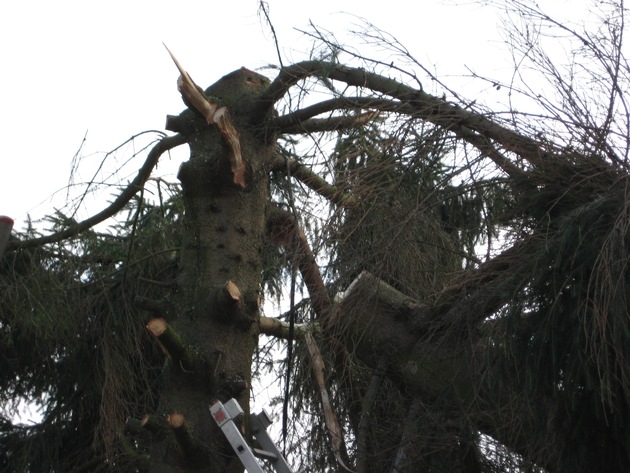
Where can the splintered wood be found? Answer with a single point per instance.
(214, 114)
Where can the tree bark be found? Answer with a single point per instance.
(219, 281)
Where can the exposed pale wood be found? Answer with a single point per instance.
(195, 97)
(171, 343)
(175, 420)
(277, 328)
(232, 291)
(187, 443)
(231, 137)
(193, 93)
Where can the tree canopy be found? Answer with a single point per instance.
(454, 274)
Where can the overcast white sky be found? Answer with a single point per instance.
(71, 67)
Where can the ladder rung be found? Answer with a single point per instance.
(265, 454)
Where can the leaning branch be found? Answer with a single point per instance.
(330, 418)
(165, 144)
(283, 229)
(313, 181)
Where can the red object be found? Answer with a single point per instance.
(6, 224)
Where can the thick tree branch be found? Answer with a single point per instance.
(291, 75)
(195, 98)
(165, 144)
(471, 126)
(380, 323)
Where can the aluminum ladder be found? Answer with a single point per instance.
(225, 415)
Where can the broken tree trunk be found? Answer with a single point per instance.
(218, 285)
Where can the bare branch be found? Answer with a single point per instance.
(165, 144)
(294, 120)
(339, 123)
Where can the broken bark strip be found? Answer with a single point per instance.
(282, 229)
(171, 343)
(230, 135)
(194, 97)
(192, 93)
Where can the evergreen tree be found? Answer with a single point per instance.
(457, 280)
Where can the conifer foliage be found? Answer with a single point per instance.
(456, 276)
